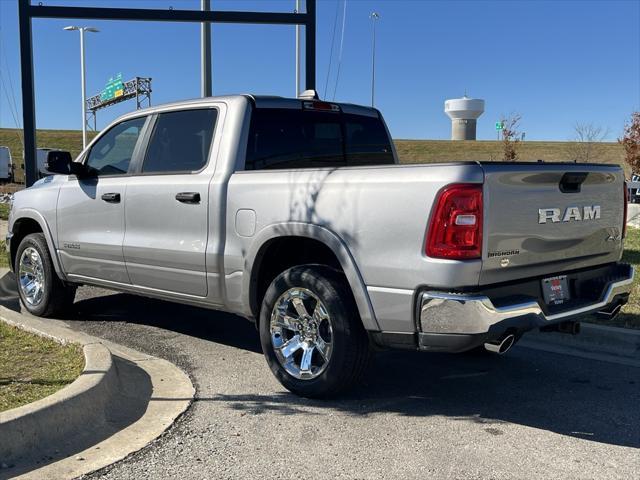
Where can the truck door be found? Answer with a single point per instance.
(166, 214)
(90, 214)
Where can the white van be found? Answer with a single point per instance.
(6, 165)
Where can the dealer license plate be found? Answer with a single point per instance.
(555, 290)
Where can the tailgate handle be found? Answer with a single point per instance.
(571, 182)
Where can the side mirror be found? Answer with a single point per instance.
(80, 170)
(60, 162)
(57, 162)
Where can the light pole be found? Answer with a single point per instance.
(297, 10)
(205, 53)
(374, 18)
(82, 77)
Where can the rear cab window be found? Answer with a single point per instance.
(282, 138)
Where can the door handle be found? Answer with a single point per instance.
(188, 197)
(111, 197)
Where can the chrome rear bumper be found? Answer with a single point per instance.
(446, 319)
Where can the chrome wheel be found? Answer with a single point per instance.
(31, 276)
(301, 333)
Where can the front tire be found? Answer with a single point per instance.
(41, 292)
(311, 333)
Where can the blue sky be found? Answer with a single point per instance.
(554, 62)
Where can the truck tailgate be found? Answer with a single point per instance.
(547, 218)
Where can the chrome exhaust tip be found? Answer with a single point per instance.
(502, 345)
(610, 314)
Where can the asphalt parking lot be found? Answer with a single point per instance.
(530, 414)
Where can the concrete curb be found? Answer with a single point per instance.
(69, 410)
(171, 394)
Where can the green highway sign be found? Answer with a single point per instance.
(114, 89)
(499, 126)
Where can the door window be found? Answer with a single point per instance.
(111, 154)
(180, 141)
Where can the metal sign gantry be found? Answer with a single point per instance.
(138, 88)
(27, 12)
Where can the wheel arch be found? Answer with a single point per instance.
(30, 221)
(304, 232)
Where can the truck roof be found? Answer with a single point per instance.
(260, 101)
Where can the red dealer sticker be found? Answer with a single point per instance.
(555, 290)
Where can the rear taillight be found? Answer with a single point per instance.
(455, 229)
(626, 206)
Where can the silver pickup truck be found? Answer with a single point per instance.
(295, 214)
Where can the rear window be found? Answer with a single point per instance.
(287, 138)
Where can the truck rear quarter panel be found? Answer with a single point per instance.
(380, 214)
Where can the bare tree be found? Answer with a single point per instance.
(587, 142)
(631, 142)
(511, 136)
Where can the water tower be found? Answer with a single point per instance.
(463, 113)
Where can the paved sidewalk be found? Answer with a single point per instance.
(111, 411)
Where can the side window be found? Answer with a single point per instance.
(180, 141)
(111, 155)
(367, 142)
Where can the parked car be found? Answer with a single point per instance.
(295, 214)
(634, 188)
(6, 165)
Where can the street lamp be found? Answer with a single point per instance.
(297, 10)
(374, 18)
(82, 77)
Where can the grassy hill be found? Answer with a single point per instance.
(70, 140)
(429, 151)
(410, 151)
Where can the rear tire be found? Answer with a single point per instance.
(41, 292)
(311, 333)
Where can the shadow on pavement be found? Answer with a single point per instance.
(197, 322)
(9, 292)
(586, 399)
(555, 394)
